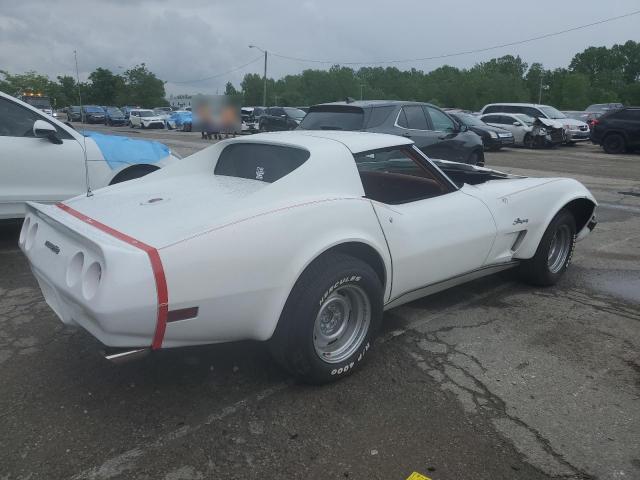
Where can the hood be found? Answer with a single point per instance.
(161, 212)
(571, 122)
(153, 118)
(487, 128)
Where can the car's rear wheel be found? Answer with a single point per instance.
(614, 143)
(554, 252)
(330, 319)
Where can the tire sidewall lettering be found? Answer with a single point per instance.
(339, 283)
(347, 366)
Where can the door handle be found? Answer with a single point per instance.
(406, 135)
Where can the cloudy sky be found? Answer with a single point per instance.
(185, 42)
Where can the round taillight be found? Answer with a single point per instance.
(74, 269)
(91, 280)
(31, 235)
(23, 232)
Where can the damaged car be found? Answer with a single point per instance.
(47, 161)
(301, 239)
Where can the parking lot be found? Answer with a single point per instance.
(489, 380)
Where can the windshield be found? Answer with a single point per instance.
(334, 118)
(93, 109)
(469, 120)
(294, 112)
(146, 113)
(114, 110)
(525, 118)
(552, 113)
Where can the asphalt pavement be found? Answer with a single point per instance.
(489, 380)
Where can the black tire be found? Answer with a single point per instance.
(473, 157)
(537, 270)
(614, 143)
(293, 344)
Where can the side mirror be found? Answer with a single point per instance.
(517, 124)
(42, 129)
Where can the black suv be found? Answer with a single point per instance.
(280, 118)
(618, 131)
(433, 131)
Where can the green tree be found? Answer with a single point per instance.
(104, 87)
(141, 87)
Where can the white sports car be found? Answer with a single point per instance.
(299, 238)
(43, 159)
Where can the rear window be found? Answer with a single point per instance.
(259, 161)
(333, 118)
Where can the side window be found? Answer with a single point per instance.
(439, 120)
(398, 175)
(16, 121)
(378, 116)
(490, 119)
(627, 114)
(532, 112)
(504, 120)
(402, 119)
(492, 109)
(415, 117)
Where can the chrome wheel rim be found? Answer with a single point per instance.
(342, 323)
(559, 248)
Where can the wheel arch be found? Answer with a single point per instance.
(143, 168)
(581, 207)
(364, 252)
(582, 211)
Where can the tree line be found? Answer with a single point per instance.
(136, 86)
(595, 75)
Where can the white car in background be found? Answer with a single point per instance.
(301, 238)
(519, 124)
(43, 160)
(163, 113)
(573, 130)
(144, 118)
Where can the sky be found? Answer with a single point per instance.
(184, 43)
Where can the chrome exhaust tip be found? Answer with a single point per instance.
(121, 355)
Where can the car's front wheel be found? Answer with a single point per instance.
(554, 252)
(614, 143)
(329, 320)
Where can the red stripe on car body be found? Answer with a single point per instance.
(156, 265)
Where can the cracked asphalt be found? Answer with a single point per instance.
(489, 380)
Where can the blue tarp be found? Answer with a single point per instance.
(180, 118)
(119, 151)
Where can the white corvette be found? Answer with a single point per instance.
(299, 238)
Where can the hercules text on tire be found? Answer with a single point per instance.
(554, 251)
(330, 319)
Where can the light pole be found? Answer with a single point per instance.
(264, 77)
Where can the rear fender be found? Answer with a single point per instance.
(241, 275)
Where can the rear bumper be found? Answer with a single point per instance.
(118, 305)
